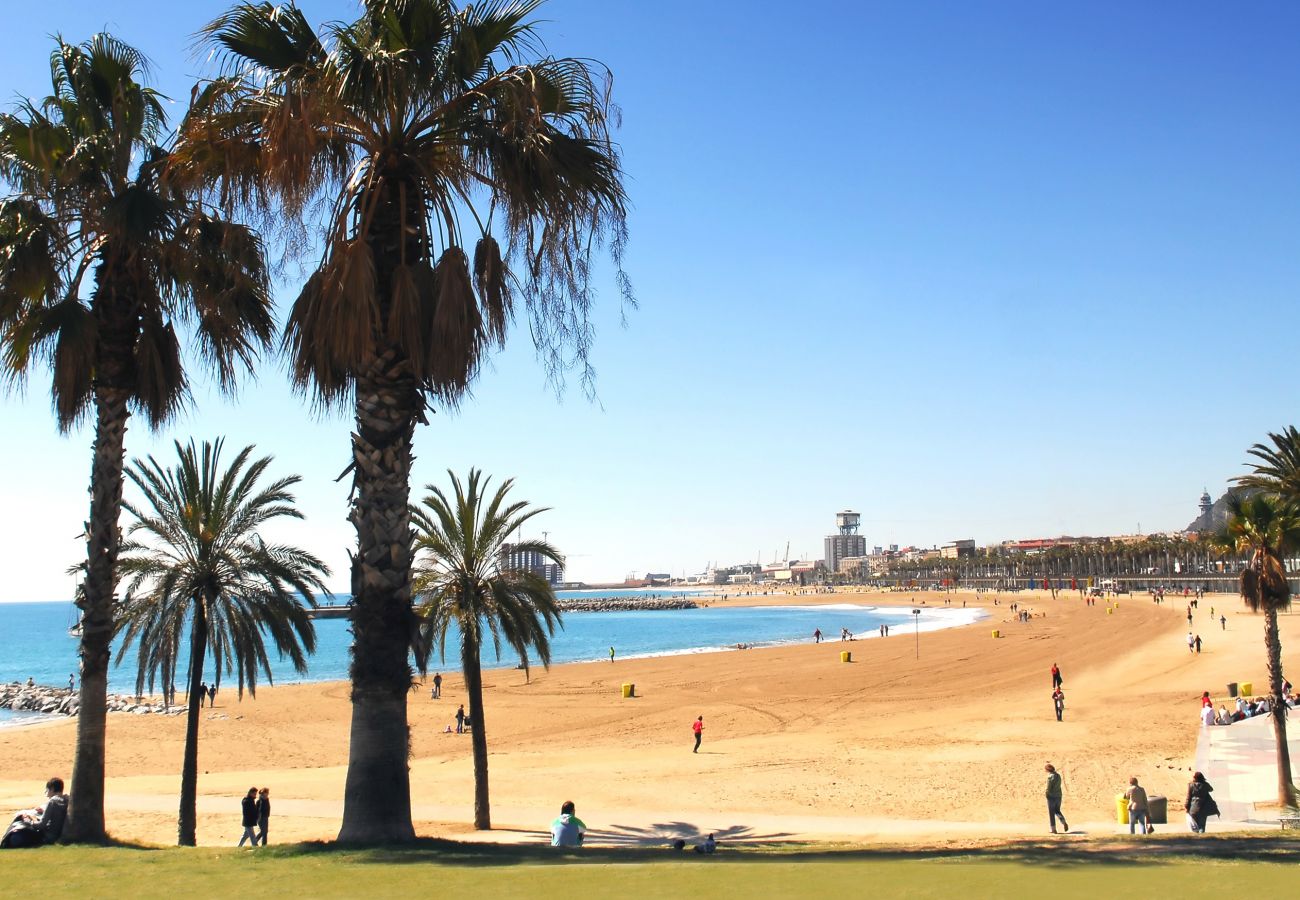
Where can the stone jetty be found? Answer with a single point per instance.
(620, 604)
(54, 701)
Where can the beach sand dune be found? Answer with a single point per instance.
(796, 743)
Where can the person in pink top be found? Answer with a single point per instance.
(698, 727)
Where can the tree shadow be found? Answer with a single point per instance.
(738, 844)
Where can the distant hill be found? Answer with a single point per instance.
(1217, 517)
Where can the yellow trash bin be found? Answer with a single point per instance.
(1245, 689)
(1121, 809)
(997, 633)
(846, 656)
(629, 690)
(1109, 610)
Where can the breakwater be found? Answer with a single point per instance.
(52, 701)
(625, 604)
(566, 604)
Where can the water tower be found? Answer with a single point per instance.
(1206, 503)
(848, 543)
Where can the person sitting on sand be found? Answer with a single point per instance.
(42, 825)
(568, 830)
(708, 846)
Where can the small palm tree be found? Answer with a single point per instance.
(103, 254)
(460, 579)
(1268, 529)
(195, 557)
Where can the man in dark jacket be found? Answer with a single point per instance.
(249, 805)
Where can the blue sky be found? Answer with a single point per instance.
(996, 270)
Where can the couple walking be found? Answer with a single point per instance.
(257, 813)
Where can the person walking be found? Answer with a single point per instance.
(1198, 643)
(437, 686)
(611, 654)
(212, 695)
(1058, 702)
(1223, 622)
(1137, 808)
(1054, 795)
(698, 728)
(1056, 676)
(817, 636)
(1191, 643)
(249, 807)
(460, 719)
(263, 815)
(1200, 805)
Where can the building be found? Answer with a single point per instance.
(957, 549)
(516, 560)
(845, 544)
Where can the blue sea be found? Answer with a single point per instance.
(34, 639)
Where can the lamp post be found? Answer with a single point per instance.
(916, 620)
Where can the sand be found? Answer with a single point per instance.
(796, 744)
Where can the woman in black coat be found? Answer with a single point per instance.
(1200, 805)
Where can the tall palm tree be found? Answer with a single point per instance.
(1278, 466)
(461, 168)
(461, 582)
(1267, 528)
(103, 253)
(196, 558)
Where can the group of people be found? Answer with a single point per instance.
(208, 692)
(256, 807)
(1199, 804)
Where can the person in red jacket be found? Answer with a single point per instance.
(698, 727)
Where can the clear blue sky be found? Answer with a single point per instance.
(995, 270)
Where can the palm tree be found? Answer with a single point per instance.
(103, 253)
(461, 582)
(201, 564)
(1278, 468)
(1267, 528)
(427, 132)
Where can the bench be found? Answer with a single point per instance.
(1292, 821)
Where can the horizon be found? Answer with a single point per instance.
(974, 273)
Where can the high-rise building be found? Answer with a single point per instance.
(517, 560)
(847, 543)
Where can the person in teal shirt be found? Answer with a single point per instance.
(567, 830)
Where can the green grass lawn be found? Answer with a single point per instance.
(1177, 867)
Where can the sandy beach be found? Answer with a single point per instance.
(796, 745)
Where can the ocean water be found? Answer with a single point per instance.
(34, 639)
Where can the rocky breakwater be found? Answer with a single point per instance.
(38, 698)
(621, 604)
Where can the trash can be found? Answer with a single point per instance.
(1246, 689)
(629, 690)
(1158, 809)
(1121, 809)
(846, 656)
(1232, 688)
(997, 633)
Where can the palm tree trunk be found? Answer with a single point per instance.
(1286, 793)
(478, 734)
(377, 796)
(188, 819)
(86, 805)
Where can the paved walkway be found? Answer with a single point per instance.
(1240, 761)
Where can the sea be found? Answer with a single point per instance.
(35, 641)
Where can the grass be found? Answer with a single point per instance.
(1181, 867)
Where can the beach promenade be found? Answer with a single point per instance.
(797, 746)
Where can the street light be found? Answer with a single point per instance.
(916, 619)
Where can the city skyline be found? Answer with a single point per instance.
(984, 274)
